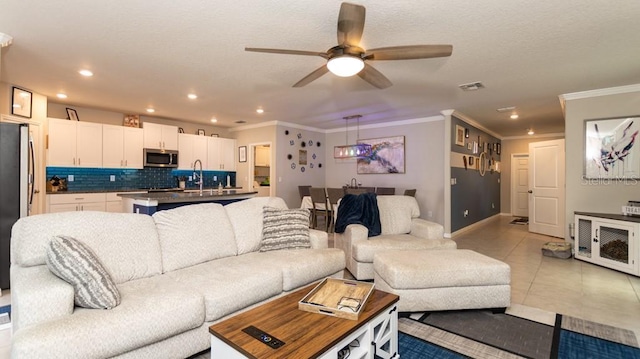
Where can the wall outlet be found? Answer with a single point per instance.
(215, 178)
(70, 178)
(453, 181)
(190, 178)
(112, 178)
(466, 213)
(429, 214)
(493, 205)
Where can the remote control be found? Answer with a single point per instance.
(265, 338)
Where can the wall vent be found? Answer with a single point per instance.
(472, 86)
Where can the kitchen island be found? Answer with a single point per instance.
(149, 203)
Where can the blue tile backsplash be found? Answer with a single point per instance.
(98, 179)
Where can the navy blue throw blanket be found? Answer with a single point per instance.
(359, 209)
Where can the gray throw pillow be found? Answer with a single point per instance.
(285, 229)
(75, 263)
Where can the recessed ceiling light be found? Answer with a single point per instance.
(530, 132)
(192, 96)
(85, 73)
(514, 116)
(61, 95)
(260, 110)
(214, 120)
(151, 110)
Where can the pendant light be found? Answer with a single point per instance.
(354, 150)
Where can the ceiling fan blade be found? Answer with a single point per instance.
(350, 24)
(409, 52)
(287, 52)
(374, 77)
(312, 76)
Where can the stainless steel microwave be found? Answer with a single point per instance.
(160, 158)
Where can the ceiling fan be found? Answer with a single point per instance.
(348, 58)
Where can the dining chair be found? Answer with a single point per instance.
(410, 192)
(320, 206)
(386, 190)
(359, 190)
(304, 191)
(333, 196)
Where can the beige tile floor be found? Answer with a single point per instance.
(566, 286)
(539, 284)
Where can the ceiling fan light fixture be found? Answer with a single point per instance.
(345, 65)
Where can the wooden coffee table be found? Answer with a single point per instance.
(306, 334)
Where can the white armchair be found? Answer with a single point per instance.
(401, 229)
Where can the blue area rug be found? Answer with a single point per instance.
(457, 335)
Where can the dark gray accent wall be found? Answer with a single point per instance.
(478, 196)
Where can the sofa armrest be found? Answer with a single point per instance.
(426, 229)
(319, 239)
(38, 296)
(353, 234)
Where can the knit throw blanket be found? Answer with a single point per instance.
(359, 209)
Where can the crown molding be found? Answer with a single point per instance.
(600, 92)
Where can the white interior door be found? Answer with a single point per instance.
(520, 184)
(547, 187)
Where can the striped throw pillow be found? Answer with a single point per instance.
(75, 263)
(285, 229)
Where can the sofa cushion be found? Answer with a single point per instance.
(152, 310)
(126, 243)
(194, 234)
(246, 219)
(364, 250)
(396, 213)
(232, 283)
(303, 266)
(285, 229)
(76, 264)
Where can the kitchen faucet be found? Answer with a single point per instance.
(200, 180)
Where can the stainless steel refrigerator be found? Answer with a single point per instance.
(16, 186)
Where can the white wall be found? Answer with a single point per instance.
(595, 196)
(424, 162)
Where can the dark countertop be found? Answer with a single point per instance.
(617, 217)
(189, 196)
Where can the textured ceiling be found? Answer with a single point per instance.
(152, 53)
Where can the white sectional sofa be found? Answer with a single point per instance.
(177, 273)
(401, 229)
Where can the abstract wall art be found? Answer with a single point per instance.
(387, 156)
(611, 149)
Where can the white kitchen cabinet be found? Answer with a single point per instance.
(122, 147)
(69, 202)
(263, 156)
(74, 144)
(190, 149)
(608, 240)
(164, 137)
(221, 154)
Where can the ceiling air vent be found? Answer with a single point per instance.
(472, 86)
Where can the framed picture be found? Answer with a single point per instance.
(200, 132)
(72, 114)
(132, 121)
(302, 157)
(460, 135)
(611, 150)
(387, 156)
(242, 154)
(21, 102)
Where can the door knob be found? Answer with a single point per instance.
(529, 191)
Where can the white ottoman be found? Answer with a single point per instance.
(448, 279)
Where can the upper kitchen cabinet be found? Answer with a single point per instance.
(191, 148)
(164, 137)
(74, 144)
(122, 147)
(221, 154)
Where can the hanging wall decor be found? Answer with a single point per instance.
(387, 156)
(611, 148)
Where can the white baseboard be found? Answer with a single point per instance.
(471, 226)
